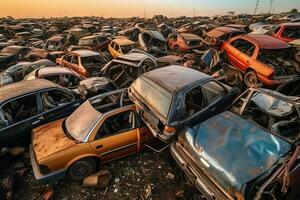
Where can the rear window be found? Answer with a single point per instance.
(154, 95)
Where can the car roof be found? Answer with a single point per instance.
(23, 87)
(56, 38)
(290, 24)
(123, 41)
(174, 77)
(189, 36)
(217, 32)
(53, 70)
(266, 41)
(133, 56)
(85, 53)
(89, 37)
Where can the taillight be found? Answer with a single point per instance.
(169, 130)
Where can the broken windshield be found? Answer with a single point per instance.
(81, 122)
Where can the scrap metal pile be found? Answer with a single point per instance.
(210, 102)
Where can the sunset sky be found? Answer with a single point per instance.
(128, 8)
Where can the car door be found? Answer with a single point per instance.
(18, 117)
(56, 103)
(217, 97)
(117, 135)
(232, 51)
(244, 59)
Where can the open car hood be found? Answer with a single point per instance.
(234, 151)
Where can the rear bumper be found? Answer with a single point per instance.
(194, 175)
(275, 82)
(41, 178)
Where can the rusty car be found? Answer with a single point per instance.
(261, 58)
(124, 69)
(11, 54)
(28, 104)
(84, 62)
(153, 42)
(228, 157)
(287, 31)
(103, 128)
(79, 85)
(172, 97)
(18, 71)
(121, 45)
(183, 42)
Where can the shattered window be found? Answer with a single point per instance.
(213, 91)
(55, 98)
(291, 32)
(20, 109)
(193, 101)
(91, 60)
(69, 81)
(244, 46)
(116, 124)
(127, 48)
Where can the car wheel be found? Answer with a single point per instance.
(177, 50)
(250, 79)
(82, 169)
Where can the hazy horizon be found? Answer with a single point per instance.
(129, 8)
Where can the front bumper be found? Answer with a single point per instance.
(41, 178)
(194, 175)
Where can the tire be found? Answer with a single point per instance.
(250, 79)
(177, 50)
(82, 169)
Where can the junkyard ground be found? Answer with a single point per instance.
(130, 178)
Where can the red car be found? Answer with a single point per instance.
(287, 31)
(183, 42)
(261, 58)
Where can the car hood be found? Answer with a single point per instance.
(50, 139)
(234, 151)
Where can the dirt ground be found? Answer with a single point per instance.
(131, 176)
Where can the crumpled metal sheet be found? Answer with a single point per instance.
(234, 151)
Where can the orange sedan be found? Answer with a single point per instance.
(261, 58)
(102, 129)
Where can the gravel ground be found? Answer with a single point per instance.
(131, 177)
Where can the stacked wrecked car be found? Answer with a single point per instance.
(221, 94)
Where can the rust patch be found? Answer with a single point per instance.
(50, 139)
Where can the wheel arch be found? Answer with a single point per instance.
(95, 157)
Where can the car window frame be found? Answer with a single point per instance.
(18, 97)
(184, 105)
(216, 99)
(110, 114)
(42, 111)
(254, 45)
